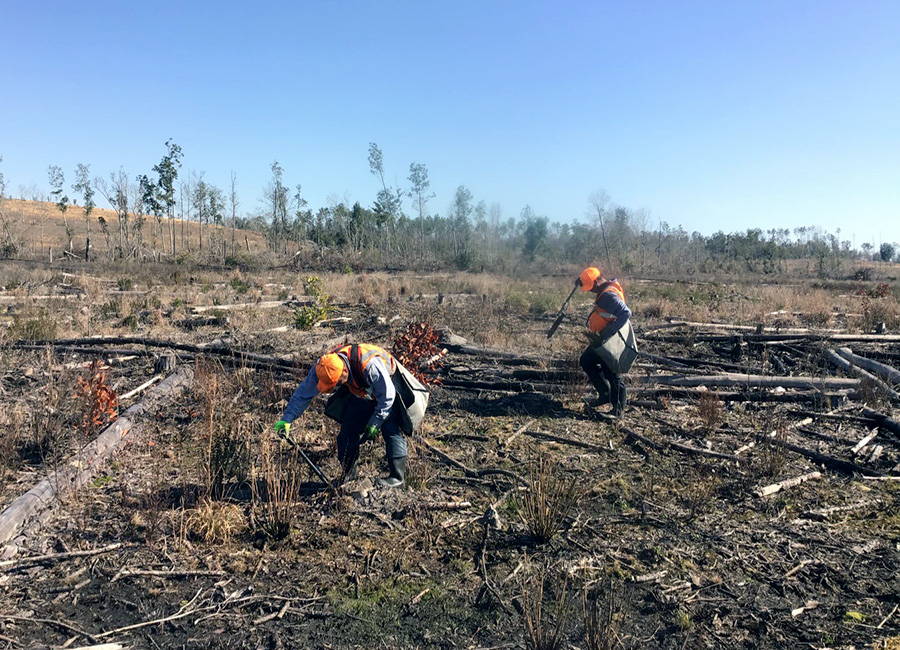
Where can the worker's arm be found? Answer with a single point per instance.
(301, 398)
(382, 390)
(616, 307)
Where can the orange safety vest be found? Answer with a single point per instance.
(599, 319)
(358, 357)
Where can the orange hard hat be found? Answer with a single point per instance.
(588, 277)
(328, 371)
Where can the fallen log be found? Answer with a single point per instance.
(510, 386)
(470, 473)
(74, 349)
(207, 321)
(787, 483)
(35, 505)
(687, 449)
(740, 379)
(791, 397)
(493, 353)
(858, 447)
(758, 329)
(686, 361)
(842, 417)
(217, 350)
(516, 433)
(544, 375)
(883, 370)
(883, 421)
(833, 462)
(758, 338)
(761, 395)
(540, 435)
(840, 362)
(822, 514)
(147, 384)
(266, 304)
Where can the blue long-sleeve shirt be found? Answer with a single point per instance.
(381, 390)
(610, 302)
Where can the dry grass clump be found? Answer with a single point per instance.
(771, 457)
(36, 324)
(546, 623)
(420, 474)
(548, 501)
(215, 522)
(817, 318)
(226, 431)
(276, 491)
(653, 307)
(12, 423)
(602, 615)
(709, 410)
(880, 310)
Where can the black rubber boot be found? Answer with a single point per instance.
(619, 406)
(397, 476)
(589, 364)
(350, 473)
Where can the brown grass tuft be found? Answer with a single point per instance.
(709, 409)
(546, 624)
(215, 522)
(547, 502)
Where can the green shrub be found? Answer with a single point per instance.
(239, 285)
(312, 285)
(308, 315)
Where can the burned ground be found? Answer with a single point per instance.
(643, 532)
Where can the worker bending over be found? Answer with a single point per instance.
(375, 394)
(612, 347)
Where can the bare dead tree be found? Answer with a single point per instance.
(598, 200)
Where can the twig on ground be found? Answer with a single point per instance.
(56, 557)
(51, 621)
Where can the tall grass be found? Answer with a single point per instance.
(547, 502)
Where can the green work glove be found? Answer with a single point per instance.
(370, 433)
(283, 429)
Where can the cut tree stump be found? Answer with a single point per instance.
(165, 363)
(36, 504)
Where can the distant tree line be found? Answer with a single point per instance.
(399, 229)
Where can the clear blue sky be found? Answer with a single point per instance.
(706, 114)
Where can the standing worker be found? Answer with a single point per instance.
(612, 349)
(375, 394)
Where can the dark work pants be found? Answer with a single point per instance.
(609, 385)
(356, 416)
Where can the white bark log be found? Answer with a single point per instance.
(37, 503)
(787, 483)
(883, 370)
(840, 362)
(865, 441)
(740, 379)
